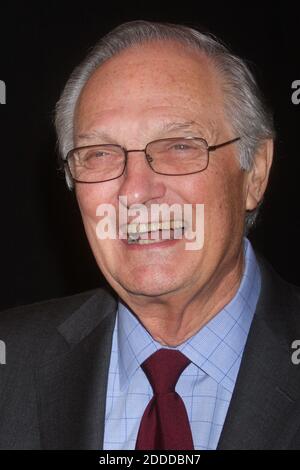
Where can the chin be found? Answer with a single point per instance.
(151, 283)
(148, 290)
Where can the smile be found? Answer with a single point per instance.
(153, 232)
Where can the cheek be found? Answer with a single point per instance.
(223, 197)
(229, 206)
(89, 197)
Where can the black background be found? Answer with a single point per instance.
(44, 252)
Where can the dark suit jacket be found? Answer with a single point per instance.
(53, 385)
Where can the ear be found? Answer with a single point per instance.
(258, 176)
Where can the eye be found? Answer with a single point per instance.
(97, 154)
(94, 157)
(181, 146)
(101, 154)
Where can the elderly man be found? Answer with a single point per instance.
(191, 348)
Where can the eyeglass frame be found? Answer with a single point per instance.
(209, 148)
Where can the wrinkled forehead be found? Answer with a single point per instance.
(153, 75)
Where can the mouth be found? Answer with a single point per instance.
(154, 232)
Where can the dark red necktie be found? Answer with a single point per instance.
(165, 424)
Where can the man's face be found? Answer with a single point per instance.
(150, 92)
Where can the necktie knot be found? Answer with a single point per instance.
(163, 369)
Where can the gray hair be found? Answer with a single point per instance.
(245, 107)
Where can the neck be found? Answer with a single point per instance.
(173, 320)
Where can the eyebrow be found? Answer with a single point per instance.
(166, 127)
(174, 126)
(95, 134)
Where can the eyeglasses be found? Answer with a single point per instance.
(175, 156)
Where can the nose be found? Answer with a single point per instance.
(139, 183)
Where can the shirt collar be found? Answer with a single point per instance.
(216, 348)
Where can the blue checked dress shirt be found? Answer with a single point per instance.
(205, 386)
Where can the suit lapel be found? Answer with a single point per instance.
(72, 386)
(266, 396)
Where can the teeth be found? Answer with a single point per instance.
(144, 242)
(132, 237)
(177, 224)
(133, 229)
(136, 231)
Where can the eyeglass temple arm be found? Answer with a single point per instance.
(211, 148)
